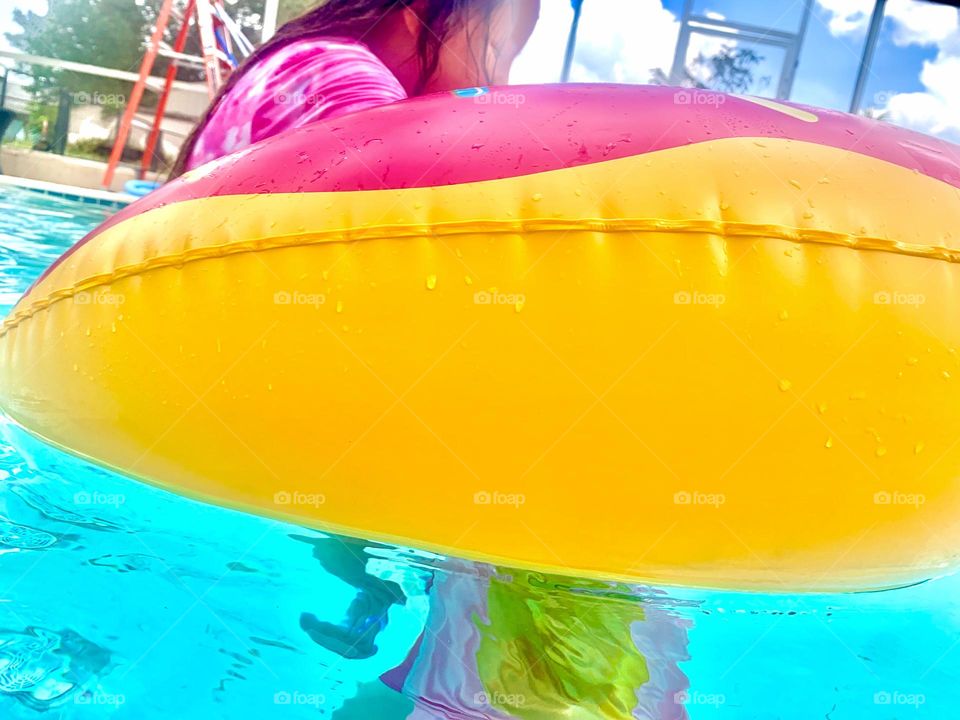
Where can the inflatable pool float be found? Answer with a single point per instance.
(612, 331)
(139, 188)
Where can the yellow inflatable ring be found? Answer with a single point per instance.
(622, 332)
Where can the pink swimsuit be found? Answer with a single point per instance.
(299, 83)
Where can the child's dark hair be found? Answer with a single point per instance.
(353, 19)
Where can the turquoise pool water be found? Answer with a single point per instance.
(118, 600)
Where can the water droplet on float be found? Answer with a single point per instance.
(339, 306)
(269, 387)
(518, 306)
(724, 205)
(946, 375)
(87, 332)
(76, 368)
(829, 443)
(822, 407)
(113, 328)
(918, 448)
(881, 451)
(912, 360)
(785, 385)
(537, 197)
(431, 282)
(468, 280)
(784, 315)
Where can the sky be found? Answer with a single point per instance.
(915, 76)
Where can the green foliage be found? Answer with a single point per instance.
(732, 70)
(39, 114)
(90, 148)
(112, 34)
(101, 32)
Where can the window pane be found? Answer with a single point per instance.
(734, 66)
(915, 77)
(782, 15)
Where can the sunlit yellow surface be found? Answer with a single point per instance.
(731, 364)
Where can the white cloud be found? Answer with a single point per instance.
(617, 42)
(914, 22)
(847, 17)
(542, 58)
(935, 109)
(922, 23)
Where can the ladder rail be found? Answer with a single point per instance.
(178, 45)
(146, 65)
(218, 34)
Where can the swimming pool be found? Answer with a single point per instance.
(120, 600)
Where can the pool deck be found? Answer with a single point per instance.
(100, 197)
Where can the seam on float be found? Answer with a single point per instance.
(722, 228)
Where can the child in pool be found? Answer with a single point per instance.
(348, 55)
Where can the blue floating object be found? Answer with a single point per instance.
(139, 188)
